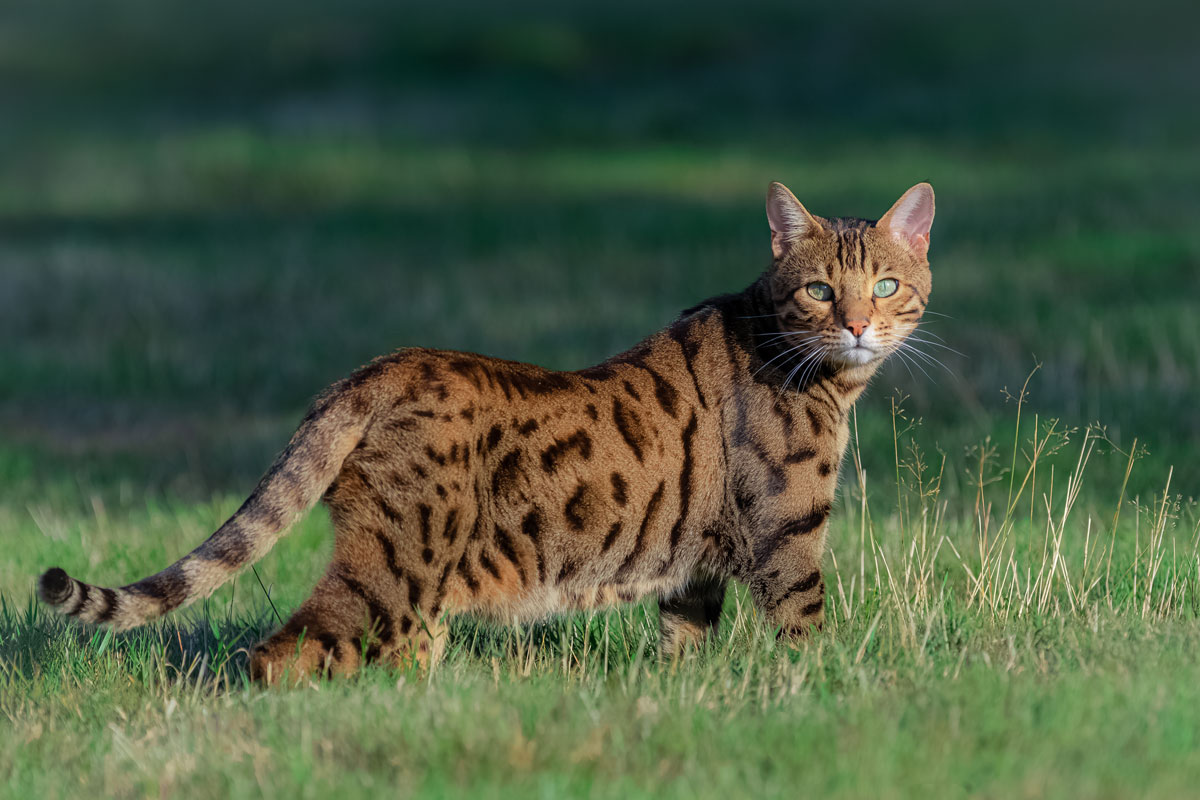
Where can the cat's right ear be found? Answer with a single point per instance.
(790, 221)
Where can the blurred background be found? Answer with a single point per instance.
(210, 211)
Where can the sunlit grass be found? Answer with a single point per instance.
(961, 609)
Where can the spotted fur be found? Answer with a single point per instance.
(459, 483)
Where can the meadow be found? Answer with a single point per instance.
(209, 214)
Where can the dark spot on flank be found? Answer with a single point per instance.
(389, 554)
(664, 392)
(441, 490)
(418, 470)
(450, 532)
(579, 440)
(632, 392)
(531, 525)
(611, 537)
(508, 473)
(629, 426)
(590, 408)
(574, 509)
(435, 456)
(527, 427)
(424, 512)
(639, 544)
(390, 513)
(685, 484)
(427, 555)
(504, 544)
(569, 568)
(441, 586)
(489, 566)
(813, 607)
(468, 413)
(690, 350)
(493, 437)
(824, 468)
(468, 575)
(620, 490)
(423, 412)
(414, 592)
(406, 625)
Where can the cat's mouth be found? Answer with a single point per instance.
(857, 355)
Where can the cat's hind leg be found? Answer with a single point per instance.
(379, 601)
(689, 617)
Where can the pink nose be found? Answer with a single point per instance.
(857, 326)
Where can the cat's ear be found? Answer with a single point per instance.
(910, 219)
(790, 221)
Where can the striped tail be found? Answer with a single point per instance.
(293, 485)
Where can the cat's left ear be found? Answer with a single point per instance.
(790, 221)
(910, 219)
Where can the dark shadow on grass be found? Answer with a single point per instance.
(198, 645)
(214, 647)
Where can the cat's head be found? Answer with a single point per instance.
(847, 292)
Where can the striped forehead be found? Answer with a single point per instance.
(851, 247)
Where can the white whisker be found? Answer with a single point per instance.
(811, 357)
(915, 363)
(912, 350)
(800, 348)
(931, 343)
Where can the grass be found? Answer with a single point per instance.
(212, 216)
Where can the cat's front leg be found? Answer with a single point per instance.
(785, 578)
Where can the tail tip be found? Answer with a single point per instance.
(54, 586)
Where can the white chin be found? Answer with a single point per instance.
(856, 356)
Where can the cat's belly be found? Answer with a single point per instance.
(540, 602)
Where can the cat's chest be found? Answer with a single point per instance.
(787, 443)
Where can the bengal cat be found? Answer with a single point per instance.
(459, 483)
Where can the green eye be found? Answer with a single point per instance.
(820, 291)
(886, 287)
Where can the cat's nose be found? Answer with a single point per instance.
(857, 326)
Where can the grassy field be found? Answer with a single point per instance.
(210, 212)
